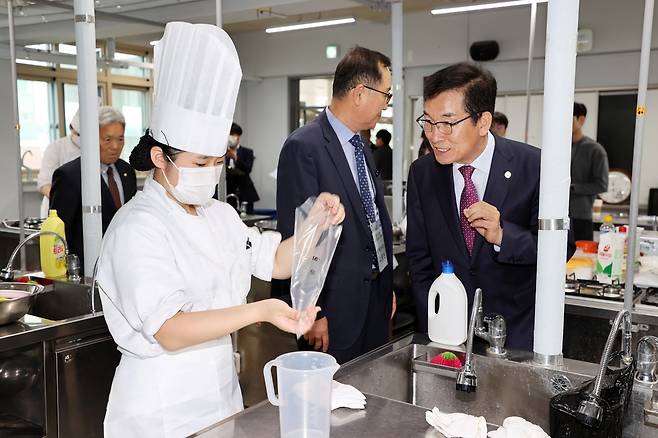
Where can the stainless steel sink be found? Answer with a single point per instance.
(63, 300)
(505, 387)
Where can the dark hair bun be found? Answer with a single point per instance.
(140, 157)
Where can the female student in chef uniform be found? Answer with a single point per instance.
(175, 265)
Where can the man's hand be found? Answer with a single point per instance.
(231, 153)
(485, 218)
(395, 305)
(318, 336)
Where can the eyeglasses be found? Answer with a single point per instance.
(444, 128)
(389, 96)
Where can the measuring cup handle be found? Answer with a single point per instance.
(269, 385)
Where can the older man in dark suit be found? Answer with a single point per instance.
(118, 182)
(474, 201)
(329, 155)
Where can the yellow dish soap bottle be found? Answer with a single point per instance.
(53, 255)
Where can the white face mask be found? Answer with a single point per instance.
(232, 141)
(195, 185)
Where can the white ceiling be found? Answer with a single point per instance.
(137, 22)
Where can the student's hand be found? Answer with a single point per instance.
(328, 208)
(288, 319)
(318, 336)
(485, 218)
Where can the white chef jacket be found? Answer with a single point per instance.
(56, 154)
(157, 260)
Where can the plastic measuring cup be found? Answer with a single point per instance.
(304, 399)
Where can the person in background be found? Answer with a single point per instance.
(365, 135)
(425, 146)
(589, 175)
(118, 182)
(56, 154)
(474, 201)
(176, 265)
(383, 154)
(328, 154)
(240, 162)
(499, 124)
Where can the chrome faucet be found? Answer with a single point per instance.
(495, 334)
(7, 273)
(24, 166)
(466, 378)
(236, 198)
(647, 360)
(590, 411)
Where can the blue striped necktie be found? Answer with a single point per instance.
(364, 190)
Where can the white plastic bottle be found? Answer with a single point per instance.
(448, 325)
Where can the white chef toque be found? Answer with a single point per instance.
(197, 78)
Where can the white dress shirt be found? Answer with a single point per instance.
(482, 165)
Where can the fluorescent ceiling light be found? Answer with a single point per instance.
(310, 25)
(484, 6)
(153, 43)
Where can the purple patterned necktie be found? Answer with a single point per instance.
(469, 197)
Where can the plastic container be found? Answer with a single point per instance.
(52, 250)
(607, 226)
(449, 323)
(304, 400)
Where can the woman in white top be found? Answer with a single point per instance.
(175, 270)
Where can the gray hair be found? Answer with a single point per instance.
(108, 115)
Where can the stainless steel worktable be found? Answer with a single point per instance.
(381, 418)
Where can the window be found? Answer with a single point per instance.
(133, 103)
(130, 71)
(37, 120)
(71, 103)
(43, 47)
(71, 49)
(315, 95)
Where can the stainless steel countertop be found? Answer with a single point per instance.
(381, 418)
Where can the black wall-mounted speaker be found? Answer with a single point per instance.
(484, 50)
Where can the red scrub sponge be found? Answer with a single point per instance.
(448, 359)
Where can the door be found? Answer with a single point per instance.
(85, 369)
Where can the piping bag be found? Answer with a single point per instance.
(314, 244)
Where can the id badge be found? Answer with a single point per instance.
(380, 244)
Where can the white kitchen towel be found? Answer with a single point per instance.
(457, 425)
(517, 427)
(346, 396)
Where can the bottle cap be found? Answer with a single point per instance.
(52, 213)
(447, 267)
(607, 219)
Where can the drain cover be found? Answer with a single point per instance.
(560, 383)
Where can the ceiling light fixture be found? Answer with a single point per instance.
(311, 25)
(154, 42)
(470, 8)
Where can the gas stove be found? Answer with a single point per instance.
(30, 223)
(594, 289)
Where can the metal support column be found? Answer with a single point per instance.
(398, 107)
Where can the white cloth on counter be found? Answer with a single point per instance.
(517, 427)
(457, 425)
(346, 396)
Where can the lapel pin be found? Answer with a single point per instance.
(125, 174)
(508, 174)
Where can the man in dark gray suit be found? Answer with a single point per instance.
(328, 155)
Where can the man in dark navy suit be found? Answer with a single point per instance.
(118, 182)
(474, 201)
(329, 155)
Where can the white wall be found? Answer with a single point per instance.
(431, 42)
(263, 115)
(8, 148)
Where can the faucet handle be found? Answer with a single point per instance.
(647, 360)
(497, 330)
